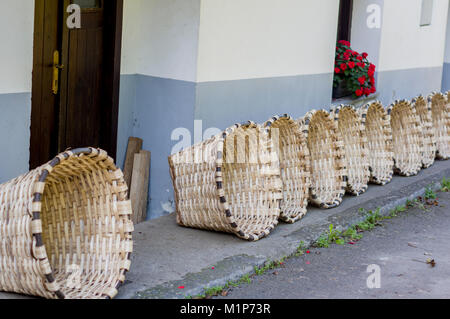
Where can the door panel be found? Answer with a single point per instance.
(84, 71)
(84, 111)
(83, 89)
(45, 107)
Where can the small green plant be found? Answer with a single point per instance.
(352, 234)
(430, 194)
(331, 236)
(445, 185)
(214, 291)
(300, 249)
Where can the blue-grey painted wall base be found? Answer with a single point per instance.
(15, 115)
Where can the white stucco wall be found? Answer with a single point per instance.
(447, 39)
(404, 43)
(160, 38)
(244, 39)
(16, 37)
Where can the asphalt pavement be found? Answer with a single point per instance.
(397, 256)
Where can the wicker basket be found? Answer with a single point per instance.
(290, 145)
(65, 228)
(440, 111)
(378, 132)
(406, 137)
(328, 172)
(356, 156)
(229, 183)
(423, 110)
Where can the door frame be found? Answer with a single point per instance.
(113, 18)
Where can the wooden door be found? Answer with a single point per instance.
(83, 110)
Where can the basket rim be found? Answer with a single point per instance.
(426, 162)
(269, 124)
(306, 121)
(391, 107)
(219, 183)
(38, 195)
(364, 110)
(335, 112)
(446, 98)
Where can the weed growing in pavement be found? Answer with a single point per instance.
(445, 185)
(430, 194)
(331, 236)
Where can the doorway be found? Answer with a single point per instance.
(345, 20)
(76, 78)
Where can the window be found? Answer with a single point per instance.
(426, 13)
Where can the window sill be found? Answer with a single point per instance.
(355, 102)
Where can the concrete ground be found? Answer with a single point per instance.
(400, 247)
(167, 256)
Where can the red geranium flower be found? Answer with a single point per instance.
(346, 43)
(371, 73)
(367, 91)
(337, 70)
(351, 64)
(343, 66)
(365, 55)
(359, 92)
(360, 58)
(362, 80)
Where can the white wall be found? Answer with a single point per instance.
(16, 38)
(243, 39)
(160, 38)
(406, 45)
(447, 40)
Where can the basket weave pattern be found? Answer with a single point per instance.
(407, 138)
(328, 172)
(229, 183)
(294, 159)
(377, 128)
(356, 157)
(65, 228)
(423, 110)
(440, 110)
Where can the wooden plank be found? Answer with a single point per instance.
(139, 186)
(134, 147)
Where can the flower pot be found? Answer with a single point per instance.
(341, 90)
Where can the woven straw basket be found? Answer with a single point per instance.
(328, 172)
(423, 110)
(356, 158)
(290, 145)
(65, 228)
(229, 183)
(377, 128)
(440, 111)
(406, 137)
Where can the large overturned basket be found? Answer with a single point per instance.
(229, 183)
(290, 144)
(65, 228)
(328, 172)
(406, 138)
(423, 110)
(356, 157)
(440, 112)
(377, 129)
